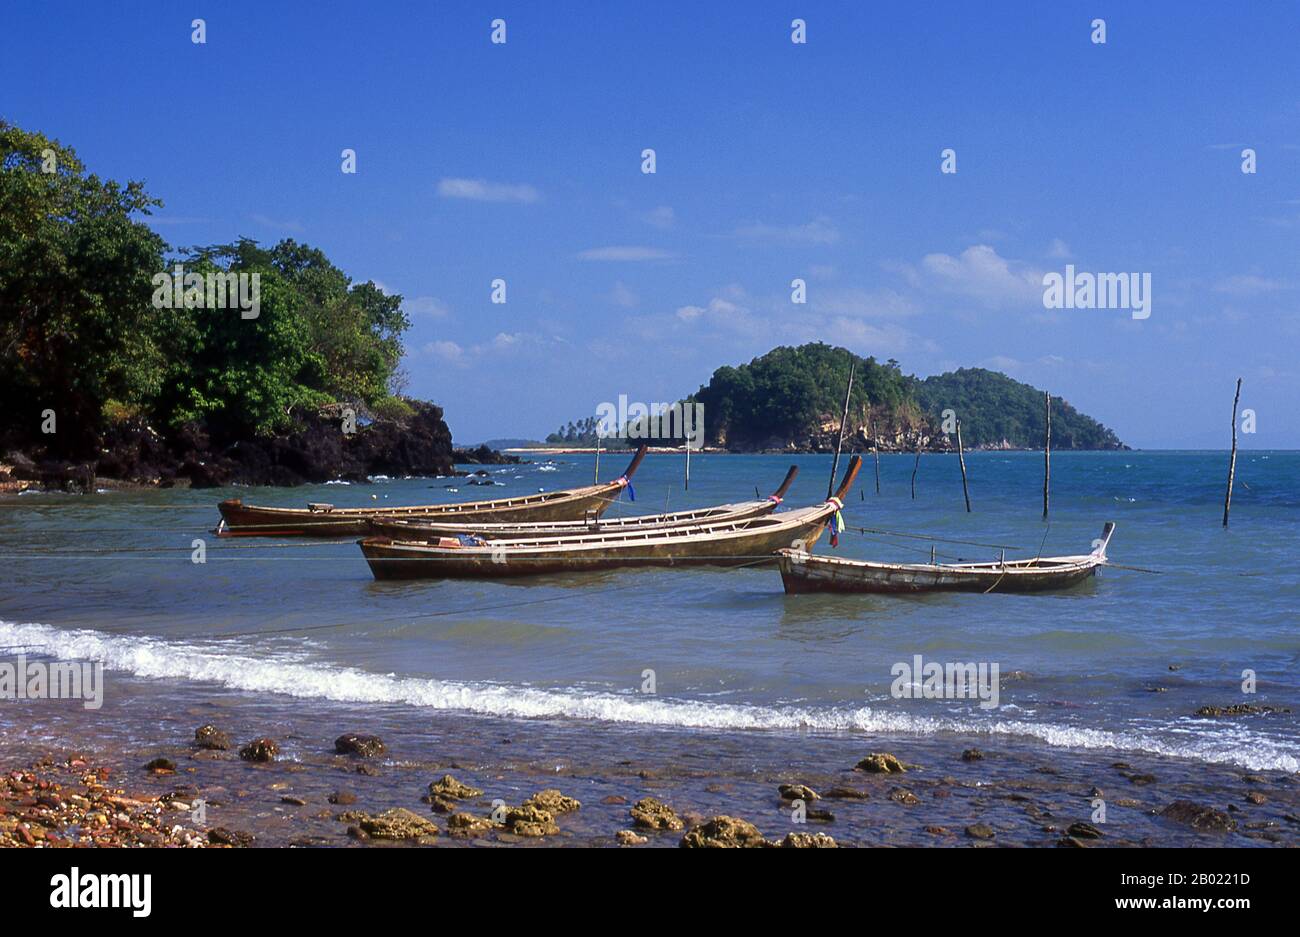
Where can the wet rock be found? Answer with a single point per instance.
(211, 738)
(1238, 709)
(342, 798)
(938, 831)
(530, 821)
(450, 788)
(1141, 780)
(881, 763)
(1072, 842)
(797, 792)
(901, 795)
(464, 825)
(630, 838)
(368, 770)
(723, 832)
(980, 831)
(846, 793)
(260, 750)
(363, 746)
(1256, 798)
(398, 824)
(221, 836)
(807, 841)
(443, 804)
(613, 799)
(972, 754)
(161, 766)
(1199, 817)
(650, 814)
(292, 800)
(1083, 831)
(553, 802)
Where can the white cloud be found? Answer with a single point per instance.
(480, 190)
(429, 306)
(661, 217)
(1059, 250)
(631, 254)
(818, 231)
(449, 352)
(980, 273)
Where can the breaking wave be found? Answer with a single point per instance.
(153, 658)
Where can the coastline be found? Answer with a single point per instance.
(956, 790)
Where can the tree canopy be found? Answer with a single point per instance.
(82, 335)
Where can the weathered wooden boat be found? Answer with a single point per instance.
(752, 541)
(427, 529)
(326, 520)
(803, 572)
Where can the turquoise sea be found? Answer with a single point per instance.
(1117, 665)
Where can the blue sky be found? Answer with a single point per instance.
(774, 160)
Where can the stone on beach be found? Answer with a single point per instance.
(881, 763)
(363, 746)
(807, 841)
(797, 792)
(161, 766)
(630, 838)
(980, 831)
(650, 814)
(397, 824)
(211, 738)
(464, 825)
(530, 821)
(1199, 817)
(260, 750)
(553, 802)
(451, 789)
(220, 836)
(724, 832)
(902, 795)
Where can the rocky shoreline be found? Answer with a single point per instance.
(326, 447)
(486, 782)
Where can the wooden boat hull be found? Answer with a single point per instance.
(429, 529)
(247, 520)
(738, 544)
(752, 542)
(803, 573)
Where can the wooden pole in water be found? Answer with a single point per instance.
(917, 464)
(844, 418)
(875, 449)
(688, 463)
(596, 480)
(1047, 451)
(961, 460)
(1232, 460)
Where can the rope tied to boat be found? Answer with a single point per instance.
(837, 520)
(625, 482)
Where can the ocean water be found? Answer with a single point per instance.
(1116, 666)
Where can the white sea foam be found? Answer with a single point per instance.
(295, 677)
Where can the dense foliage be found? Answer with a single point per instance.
(992, 408)
(82, 335)
(795, 396)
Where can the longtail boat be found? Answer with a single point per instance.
(739, 543)
(326, 520)
(803, 572)
(426, 529)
